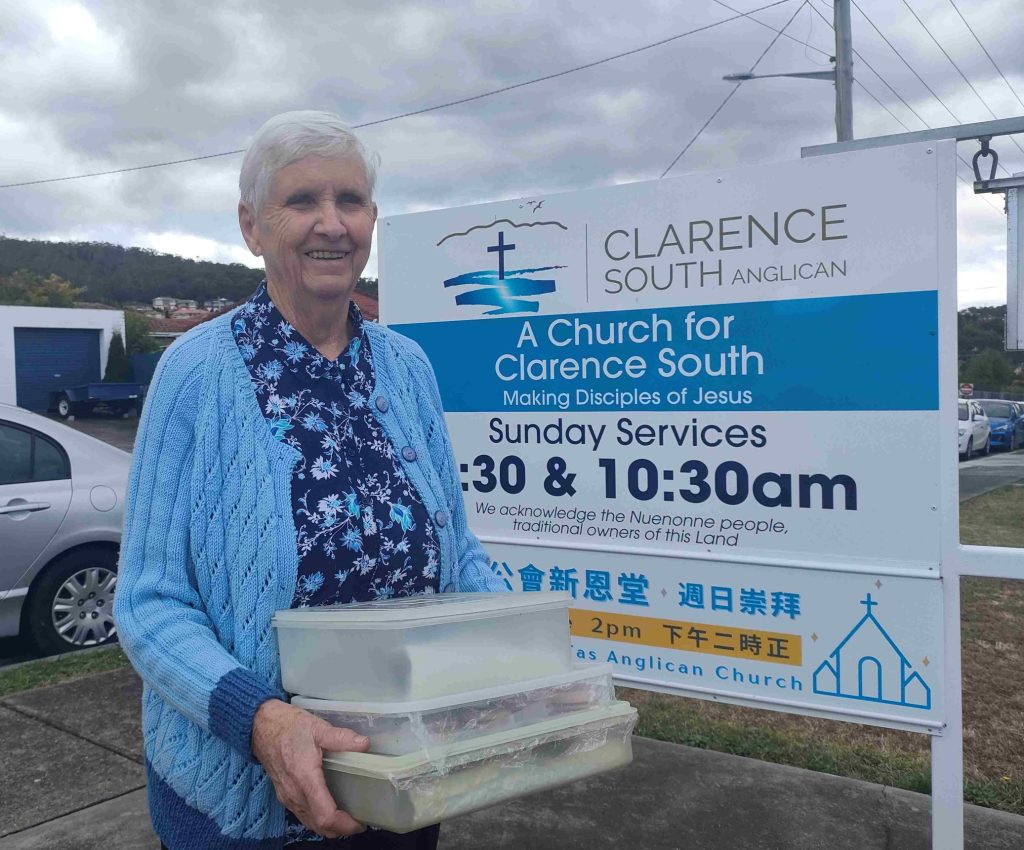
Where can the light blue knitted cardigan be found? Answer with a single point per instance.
(209, 555)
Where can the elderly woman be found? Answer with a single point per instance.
(290, 454)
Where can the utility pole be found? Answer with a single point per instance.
(841, 74)
(844, 71)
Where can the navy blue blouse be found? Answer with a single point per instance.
(361, 527)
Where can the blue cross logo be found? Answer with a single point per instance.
(501, 248)
(505, 290)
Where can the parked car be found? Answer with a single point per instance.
(61, 508)
(974, 434)
(1007, 423)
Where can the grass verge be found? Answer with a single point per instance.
(992, 613)
(994, 519)
(888, 757)
(60, 668)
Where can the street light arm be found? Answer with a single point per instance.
(803, 75)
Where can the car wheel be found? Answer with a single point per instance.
(1013, 442)
(72, 605)
(970, 448)
(64, 406)
(988, 445)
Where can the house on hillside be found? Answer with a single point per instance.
(164, 302)
(216, 305)
(166, 330)
(189, 313)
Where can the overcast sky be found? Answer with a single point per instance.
(104, 84)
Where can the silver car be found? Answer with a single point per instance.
(61, 508)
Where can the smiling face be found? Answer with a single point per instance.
(315, 228)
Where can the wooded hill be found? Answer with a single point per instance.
(114, 275)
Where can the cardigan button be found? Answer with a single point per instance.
(409, 453)
(382, 404)
(440, 520)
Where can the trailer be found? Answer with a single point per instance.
(118, 399)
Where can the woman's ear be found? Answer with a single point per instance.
(247, 224)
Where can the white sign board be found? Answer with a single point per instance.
(705, 382)
(848, 645)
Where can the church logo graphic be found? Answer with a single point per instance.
(867, 665)
(504, 289)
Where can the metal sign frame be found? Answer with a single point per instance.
(947, 742)
(959, 560)
(1014, 270)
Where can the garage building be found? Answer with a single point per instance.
(49, 348)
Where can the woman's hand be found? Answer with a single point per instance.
(290, 744)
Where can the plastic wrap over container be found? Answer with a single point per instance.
(401, 728)
(403, 793)
(420, 647)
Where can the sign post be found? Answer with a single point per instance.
(1014, 270)
(711, 409)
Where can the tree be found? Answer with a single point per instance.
(989, 371)
(117, 361)
(28, 289)
(112, 274)
(136, 334)
(368, 286)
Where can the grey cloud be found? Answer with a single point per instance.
(178, 79)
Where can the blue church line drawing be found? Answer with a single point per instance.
(867, 665)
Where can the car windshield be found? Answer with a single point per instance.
(999, 409)
(964, 415)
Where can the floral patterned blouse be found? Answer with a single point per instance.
(361, 527)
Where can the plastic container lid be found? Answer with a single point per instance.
(577, 674)
(423, 610)
(393, 769)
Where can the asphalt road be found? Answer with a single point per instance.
(977, 476)
(985, 473)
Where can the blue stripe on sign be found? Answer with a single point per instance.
(860, 352)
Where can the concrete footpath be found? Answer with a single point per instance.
(71, 776)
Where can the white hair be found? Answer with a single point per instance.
(290, 136)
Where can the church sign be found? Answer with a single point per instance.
(709, 408)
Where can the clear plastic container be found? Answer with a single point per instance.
(419, 647)
(400, 728)
(403, 793)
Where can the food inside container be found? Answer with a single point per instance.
(401, 728)
(423, 646)
(403, 793)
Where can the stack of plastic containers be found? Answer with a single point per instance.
(467, 699)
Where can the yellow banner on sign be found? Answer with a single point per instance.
(731, 641)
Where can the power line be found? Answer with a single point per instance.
(961, 73)
(813, 8)
(735, 88)
(445, 105)
(769, 26)
(989, 55)
(120, 170)
(871, 68)
(885, 82)
(874, 97)
(905, 62)
(950, 58)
